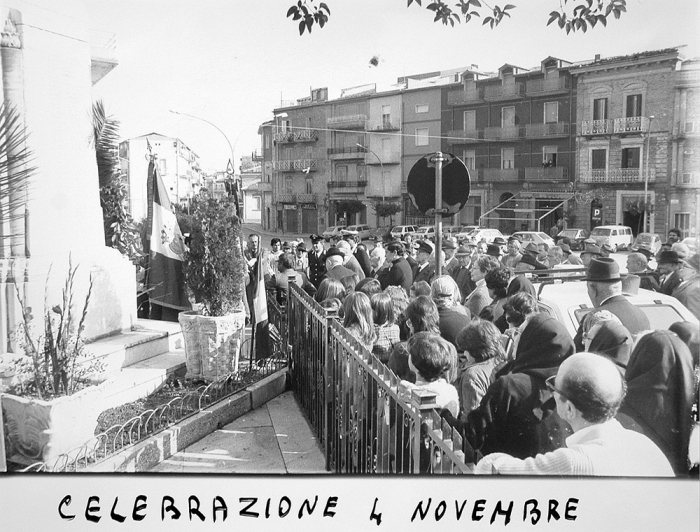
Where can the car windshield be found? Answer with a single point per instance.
(600, 232)
(569, 232)
(644, 238)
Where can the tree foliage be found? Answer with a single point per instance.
(350, 206)
(386, 208)
(572, 15)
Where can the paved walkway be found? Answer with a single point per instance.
(273, 439)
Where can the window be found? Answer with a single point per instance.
(634, 105)
(256, 203)
(309, 186)
(469, 120)
(469, 159)
(341, 173)
(508, 117)
(422, 108)
(288, 154)
(507, 158)
(681, 220)
(599, 159)
(600, 109)
(687, 178)
(690, 127)
(551, 112)
(288, 184)
(267, 141)
(422, 136)
(285, 125)
(309, 152)
(549, 156)
(361, 172)
(630, 158)
(162, 166)
(386, 115)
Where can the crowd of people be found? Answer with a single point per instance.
(617, 399)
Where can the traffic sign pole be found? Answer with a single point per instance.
(438, 213)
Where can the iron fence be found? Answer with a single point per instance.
(366, 421)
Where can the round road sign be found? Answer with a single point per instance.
(455, 184)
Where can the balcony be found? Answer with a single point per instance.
(306, 198)
(504, 92)
(286, 198)
(384, 125)
(346, 152)
(546, 86)
(596, 127)
(617, 175)
(462, 97)
(296, 165)
(498, 174)
(348, 121)
(557, 173)
(502, 133)
(554, 129)
(464, 136)
(344, 186)
(635, 124)
(299, 135)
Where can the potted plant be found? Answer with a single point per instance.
(215, 274)
(52, 403)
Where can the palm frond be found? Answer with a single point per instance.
(15, 158)
(106, 139)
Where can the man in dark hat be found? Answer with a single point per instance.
(399, 272)
(688, 292)
(528, 262)
(334, 265)
(461, 273)
(494, 250)
(301, 259)
(501, 243)
(424, 270)
(569, 257)
(589, 252)
(670, 265)
(513, 256)
(637, 265)
(449, 246)
(317, 260)
(605, 291)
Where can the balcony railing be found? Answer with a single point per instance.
(347, 184)
(461, 97)
(346, 152)
(636, 124)
(557, 173)
(384, 125)
(540, 86)
(306, 198)
(498, 174)
(596, 127)
(553, 129)
(463, 136)
(296, 165)
(298, 135)
(286, 198)
(504, 92)
(502, 132)
(617, 175)
(348, 121)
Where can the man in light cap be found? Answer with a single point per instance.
(513, 256)
(588, 391)
(605, 291)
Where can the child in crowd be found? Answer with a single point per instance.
(431, 358)
(357, 318)
(386, 330)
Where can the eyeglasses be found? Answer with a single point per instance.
(550, 386)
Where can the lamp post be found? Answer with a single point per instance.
(646, 173)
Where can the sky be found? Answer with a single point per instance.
(231, 62)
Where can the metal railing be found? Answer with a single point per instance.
(347, 184)
(366, 422)
(618, 175)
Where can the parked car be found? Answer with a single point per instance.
(487, 234)
(451, 230)
(399, 231)
(362, 230)
(575, 236)
(380, 234)
(693, 244)
(616, 236)
(425, 232)
(650, 241)
(466, 231)
(538, 237)
(332, 232)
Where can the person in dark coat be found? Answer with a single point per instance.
(334, 265)
(497, 285)
(317, 260)
(359, 251)
(453, 316)
(518, 415)
(605, 290)
(611, 339)
(637, 264)
(670, 265)
(461, 273)
(399, 273)
(517, 284)
(424, 270)
(660, 394)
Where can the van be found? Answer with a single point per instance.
(363, 231)
(616, 236)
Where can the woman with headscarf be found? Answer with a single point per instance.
(518, 415)
(612, 339)
(660, 393)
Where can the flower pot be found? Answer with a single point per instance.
(214, 344)
(42, 431)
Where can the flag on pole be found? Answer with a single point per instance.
(261, 326)
(165, 277)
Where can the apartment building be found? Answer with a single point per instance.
(178, 164)
(626, 110)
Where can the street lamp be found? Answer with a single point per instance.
(646, 173)
(382, 166)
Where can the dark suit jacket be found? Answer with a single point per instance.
(363, 259)
(671, 282)
(427, 274)
(399, 274)
(463, 278)
(631, 317)
(317, 267)
(338, 272)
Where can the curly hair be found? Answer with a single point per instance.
(487, 263)
(497, 280)
(481, 339)
(431, 354)
(519, 306)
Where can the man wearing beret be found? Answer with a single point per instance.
(317, 260)
(605, 291)
(424, 270)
